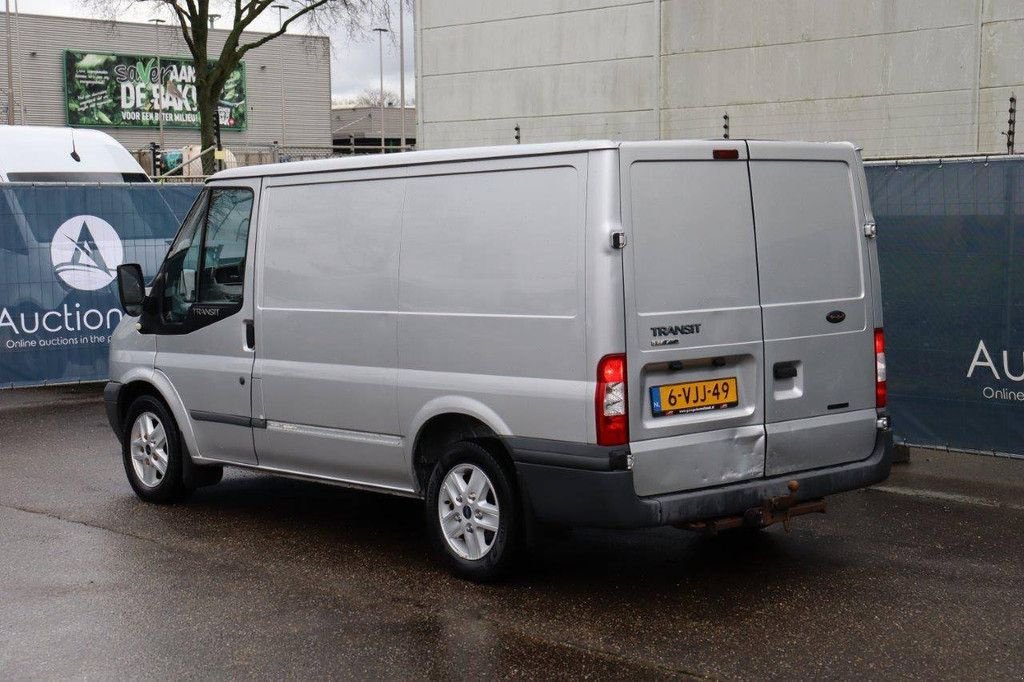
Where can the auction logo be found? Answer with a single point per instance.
(85, 252)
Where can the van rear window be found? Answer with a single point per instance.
(693, 237)
(77, 177)
(808, 238)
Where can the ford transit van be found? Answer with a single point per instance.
(601, 334)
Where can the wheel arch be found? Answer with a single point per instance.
(156, 383)
(441, 428)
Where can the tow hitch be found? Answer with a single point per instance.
(771, 510)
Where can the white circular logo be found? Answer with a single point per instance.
(85, 252)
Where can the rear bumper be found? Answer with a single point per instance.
(579, 485)
(111, 396)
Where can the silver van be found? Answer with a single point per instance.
(603, 334)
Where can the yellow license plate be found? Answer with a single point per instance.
(694, 396)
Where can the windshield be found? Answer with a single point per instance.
(182, 261)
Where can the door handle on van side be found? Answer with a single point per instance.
(784, 370)
(250, 335)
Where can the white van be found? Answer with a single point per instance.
(57, 154)
(593, 333)
(41, 155)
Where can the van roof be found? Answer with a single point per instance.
(798, 149)
(48, 149)
(407, 158)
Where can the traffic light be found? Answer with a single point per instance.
(157, 164)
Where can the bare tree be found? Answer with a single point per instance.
(371, 97)
(214, 69)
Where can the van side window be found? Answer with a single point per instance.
(182, 262)
(227, 233)
(206, 262)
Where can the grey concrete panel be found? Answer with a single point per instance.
(898, 78)
(1003, 10)
(872, 65)
(454, 12)
(607, 33)
(884, 125)
(631, 125)
(1002, 58)
(598, 87)
(727, 24)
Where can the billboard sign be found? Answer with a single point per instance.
(103, 90)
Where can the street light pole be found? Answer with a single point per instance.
(280, 56)
(21, 62)
(380, 46)
(10, 67)
(213, 18)
(401, 65)
(160, 79)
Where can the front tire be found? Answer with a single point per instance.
(152, 452)
(472, 512)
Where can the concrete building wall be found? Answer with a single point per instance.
(363, 123)
(899, 77)
(303, 61)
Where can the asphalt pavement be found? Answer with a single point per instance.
(921, 577)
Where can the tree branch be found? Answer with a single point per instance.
(185, 22)
(306, 9)
(253, 10)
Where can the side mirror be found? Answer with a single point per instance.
(131, 288)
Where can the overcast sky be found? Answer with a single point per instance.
(354, 65)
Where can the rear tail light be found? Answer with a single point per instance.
(610, 401)
(880, 388)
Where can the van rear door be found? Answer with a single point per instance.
(693, 319)
(814, 275)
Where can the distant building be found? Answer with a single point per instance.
(898, 77)
(358, 127)
(85, 72)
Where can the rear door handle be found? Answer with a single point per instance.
(250, 335)
(784, 370)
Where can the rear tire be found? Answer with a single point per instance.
(152, 452)
(473, 513)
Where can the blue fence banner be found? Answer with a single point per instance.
(60, 246)
(950, 244)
